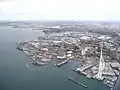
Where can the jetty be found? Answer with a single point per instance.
(81, 84)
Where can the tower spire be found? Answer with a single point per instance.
(101, 65)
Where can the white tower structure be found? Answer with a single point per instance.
(101, 66)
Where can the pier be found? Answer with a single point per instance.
(81, 84)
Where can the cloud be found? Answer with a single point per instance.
(6, 0)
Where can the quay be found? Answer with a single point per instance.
(61, 63)
(81, 84)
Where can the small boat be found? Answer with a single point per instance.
(27, 66)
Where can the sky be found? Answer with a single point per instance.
(90, 10)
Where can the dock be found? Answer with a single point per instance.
(81, 84)
(61, 63)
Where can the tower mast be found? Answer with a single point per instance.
(101, 65)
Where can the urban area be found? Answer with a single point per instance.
(96, 46)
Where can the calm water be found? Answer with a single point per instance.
(14, 75)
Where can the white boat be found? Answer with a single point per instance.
(27, 66)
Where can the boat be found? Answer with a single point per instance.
(27, 65)
(81, 84)
(61, 63)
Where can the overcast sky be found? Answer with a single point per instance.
(100, 10)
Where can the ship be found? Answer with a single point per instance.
(61, 63)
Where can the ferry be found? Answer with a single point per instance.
(81, 84)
